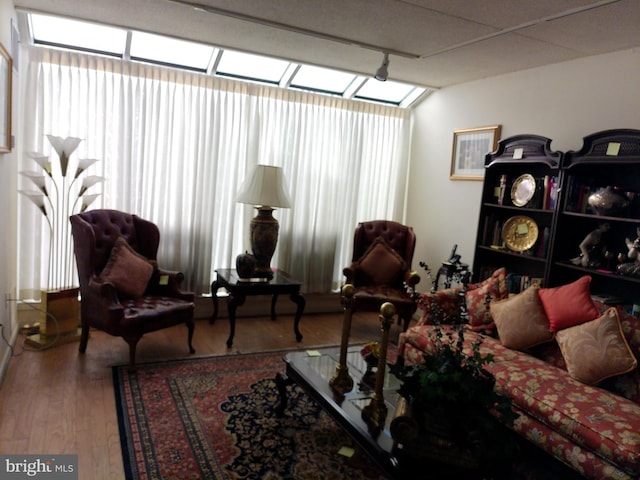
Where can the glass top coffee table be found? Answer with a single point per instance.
(312, 370)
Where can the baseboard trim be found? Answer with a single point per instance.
(8, 353)
(257, 305)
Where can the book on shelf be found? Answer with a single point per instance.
(553, 192)
(578, 196)
(518, 282)
(549, 193)
(607, 299)
(492, 231)
(542, 245)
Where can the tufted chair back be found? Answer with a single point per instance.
(377, 279)
(96, 231)
(399, 237)
(103, 305)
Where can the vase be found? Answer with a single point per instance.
(608, 201)
(245, 265)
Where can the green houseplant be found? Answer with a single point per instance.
(452, 394)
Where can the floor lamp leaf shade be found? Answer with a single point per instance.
(265, 188)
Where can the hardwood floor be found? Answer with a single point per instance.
(58, 401)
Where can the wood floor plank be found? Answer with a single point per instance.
(58, 401)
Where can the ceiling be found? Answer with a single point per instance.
(434, 43)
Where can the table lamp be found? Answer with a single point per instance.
(265, 188)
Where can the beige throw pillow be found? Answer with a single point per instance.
(521, 320)
(596, 350)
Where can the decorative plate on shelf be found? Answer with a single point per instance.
(520, 233)
(523, 189)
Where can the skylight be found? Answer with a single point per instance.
(152, 48)
(322, 79)
(252, 67)
(61, 32)
(389, 91)
(170, 51)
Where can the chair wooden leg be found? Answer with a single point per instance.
(84, 338)
(133, 343)
(191, 326)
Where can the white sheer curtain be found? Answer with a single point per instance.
(175, 146)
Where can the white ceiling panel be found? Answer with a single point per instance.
(456, 40)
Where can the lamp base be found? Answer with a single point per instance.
(264, 237)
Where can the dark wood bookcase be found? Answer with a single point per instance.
(560, 210)
(607, 159)
(522, 162)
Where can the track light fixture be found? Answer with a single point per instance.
(383, 71)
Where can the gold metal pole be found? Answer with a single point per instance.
(376, 412)
(341, 382)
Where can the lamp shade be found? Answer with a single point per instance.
(266, 186)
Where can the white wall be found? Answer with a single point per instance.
(8, 180)
(564, 102)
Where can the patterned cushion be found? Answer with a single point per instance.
(521, 321)
(127, 269)
(569, 304)
(493, 288)
(594, 431)
(628, 384)
(381, 264)
(437, 307)
(596, 350)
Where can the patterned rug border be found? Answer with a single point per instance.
(120, 372)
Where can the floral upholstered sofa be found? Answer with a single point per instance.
(568, 363)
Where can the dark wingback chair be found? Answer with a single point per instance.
(381, 264)
(109, 302)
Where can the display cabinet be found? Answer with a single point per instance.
(518, 211)
(600, 194)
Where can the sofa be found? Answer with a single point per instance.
(568, 363)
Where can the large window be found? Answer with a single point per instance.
(174, 147)
(144, 47)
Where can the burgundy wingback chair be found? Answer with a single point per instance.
(381, 265)
(163, 304)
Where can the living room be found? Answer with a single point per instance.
(557, 101)
(563, 101)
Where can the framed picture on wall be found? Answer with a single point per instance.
(469, 149)
(5, 100)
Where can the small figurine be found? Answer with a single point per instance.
(632, 268)
(588, 246)
(633, 246)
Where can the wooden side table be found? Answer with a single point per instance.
(238, 289)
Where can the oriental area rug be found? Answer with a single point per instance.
(213, 418)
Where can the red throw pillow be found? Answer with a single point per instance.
(569, 305)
